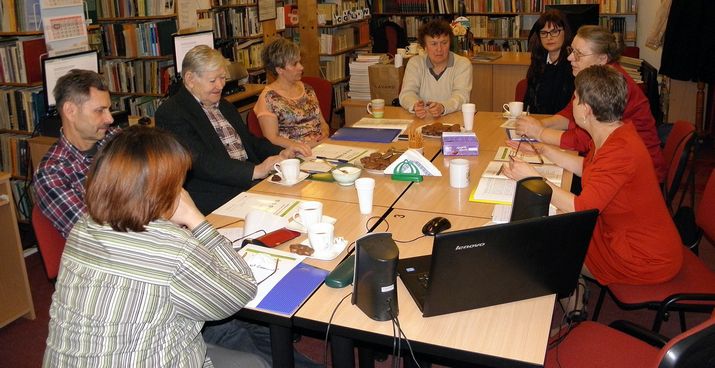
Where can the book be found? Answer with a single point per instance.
(32, 50)
(551, 173)
(376, 135)
(504, 154)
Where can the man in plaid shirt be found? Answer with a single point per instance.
(82, 100)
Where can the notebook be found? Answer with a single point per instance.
(497, 264)
(375, 135)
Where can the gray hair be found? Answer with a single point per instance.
(602, 41)
(75, 87)
(604, 89)
(202, 58)
(279, 53)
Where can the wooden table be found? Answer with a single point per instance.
(513, 334)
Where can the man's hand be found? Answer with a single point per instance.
(261, 170)
(529, 126)
(296, 149)
(420, 109)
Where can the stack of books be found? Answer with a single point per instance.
(359, 77)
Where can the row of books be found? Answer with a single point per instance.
(20, 60)
(605, 6)
(334, 40)
(20, 16)
(15, 154)
(340, 93)
(137, 106)
(21, 107)
(332, 67)
(416, 6)
(502, 45)
(138, 76)
(236, 22)
(134, 8)
(139, 39)
(232, 2)
(499, 27)
(249, 55)
(618, 25)
(22, 193)
(505, 6)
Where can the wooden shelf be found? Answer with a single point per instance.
(23, 33)
(343, 51)
(136, 19)
(227, 7)
(165, 57)
(10, 84)
(137, 94)
(13, 131)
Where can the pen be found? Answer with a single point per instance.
(500, 169)
(332, 159)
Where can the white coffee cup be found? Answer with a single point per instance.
(459, 173)
(288, 170)
(376, 108)
(468, 110)
(514, 108)
(401, 51)
(309, 213)
(413, 48)
(321, 236)
(365, 188)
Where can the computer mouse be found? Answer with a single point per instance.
(436, 225)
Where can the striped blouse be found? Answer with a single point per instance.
(139, 299)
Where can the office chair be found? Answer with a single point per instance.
(49, 241)
(520, 90)
(624, 344)
(324, 91)
(678, 151)
(254, 127)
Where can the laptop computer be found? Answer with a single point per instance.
(497, 264)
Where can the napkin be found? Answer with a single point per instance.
(425, 167)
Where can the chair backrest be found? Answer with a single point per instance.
(677, 152)
(324, 91)
(49, 241)
(705, 214)
(692, 348)
(520, 90)
(632, 51)
(253, 125)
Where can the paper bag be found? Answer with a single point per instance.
(385, 81)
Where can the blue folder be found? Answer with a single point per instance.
(293, 289)
(375, 135)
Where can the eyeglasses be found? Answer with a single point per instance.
(553, 33)
(576, 54)
(263, 262)
(526, 139)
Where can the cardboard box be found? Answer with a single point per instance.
(460, 144)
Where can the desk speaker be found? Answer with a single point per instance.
(374, 290)
(531, 199)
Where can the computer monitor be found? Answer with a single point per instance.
(185, 42)
(578, 14)
(55, 67)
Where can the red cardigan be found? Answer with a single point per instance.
(637, 111)
(635, 240)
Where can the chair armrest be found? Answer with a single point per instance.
(640, 332)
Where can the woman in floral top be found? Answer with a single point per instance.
(288, 109)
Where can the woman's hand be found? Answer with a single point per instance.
(517, 169)
(186, 213)
(296, 149)
(529, 126)
(420, 109)
(435, 109)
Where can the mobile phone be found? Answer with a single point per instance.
(278, 237)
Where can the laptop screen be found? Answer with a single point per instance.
(55, 67)
(497, 264)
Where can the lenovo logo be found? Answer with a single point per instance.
(469, 246)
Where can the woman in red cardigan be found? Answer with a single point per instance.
(594, 45)
(635, 240)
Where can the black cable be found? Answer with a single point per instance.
(409, 241)
(327, 330)
(396, 321)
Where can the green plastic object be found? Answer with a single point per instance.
(342, 275)
(407, 171)
(322, 177)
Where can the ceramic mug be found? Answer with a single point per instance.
(376, 108)
(288, 170)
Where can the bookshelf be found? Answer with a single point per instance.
(503, 25)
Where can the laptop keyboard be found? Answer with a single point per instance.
(423, 277)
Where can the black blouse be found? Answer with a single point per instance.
(552, 92)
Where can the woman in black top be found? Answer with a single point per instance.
(549, 79)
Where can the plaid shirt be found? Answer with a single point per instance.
(59, 182)
(230, 139)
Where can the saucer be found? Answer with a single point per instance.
(507, 115)
(296, 226)
(339, 244)
(301, 176)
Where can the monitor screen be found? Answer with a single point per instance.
(185, 42)
(578, 14)
(55, 67)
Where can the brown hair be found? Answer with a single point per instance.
(605, 90)
(602, 41)
(434, 28)
(136, 178)
(75, 87)
(279, 53)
